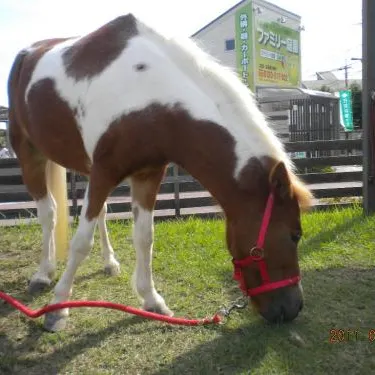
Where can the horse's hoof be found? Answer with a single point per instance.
(163, 310)
(112, 270)
(37, 286)
(54, 322)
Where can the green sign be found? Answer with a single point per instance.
(346, 111)
(277, 54)
(244, 44)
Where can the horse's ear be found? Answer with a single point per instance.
(280, 181)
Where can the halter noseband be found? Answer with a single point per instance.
(257, 256)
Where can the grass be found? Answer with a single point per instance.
(193, 272)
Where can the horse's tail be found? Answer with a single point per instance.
(57, 185)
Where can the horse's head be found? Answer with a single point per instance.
(263, 237)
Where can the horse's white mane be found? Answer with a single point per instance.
(199, 64)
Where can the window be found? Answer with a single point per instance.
(229, 45)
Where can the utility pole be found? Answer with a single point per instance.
(368, 105)
(345, 67)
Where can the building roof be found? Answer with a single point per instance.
(237, 5)
(332, 84)
(277, 94)
(326, 75)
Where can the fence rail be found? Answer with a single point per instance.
(181, 195)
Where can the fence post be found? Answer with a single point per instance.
(7, 140)
(176, 186)
(73, 187)
(368, 106)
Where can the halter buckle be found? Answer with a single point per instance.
(257, 253)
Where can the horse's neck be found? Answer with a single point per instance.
(208, 152)
(237, 111)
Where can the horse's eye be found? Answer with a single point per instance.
(296, 237)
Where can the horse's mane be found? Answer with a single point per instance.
(301, 192)
(198, 64)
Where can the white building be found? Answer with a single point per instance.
(261, 42)
(258, 33)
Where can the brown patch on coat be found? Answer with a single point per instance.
(157, 135)
(161, 134)
(48, 43)
(32, 160)
(145, 185)
(19, 78)
(46, 126)
(53, 128)
(90, 55)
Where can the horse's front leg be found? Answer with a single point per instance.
(80, 247)
(144, 191)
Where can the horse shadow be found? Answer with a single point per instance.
(54, 362)
(241, 349)
(244, 349)
(18, 289)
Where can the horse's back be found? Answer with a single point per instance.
(71, 91)
(42, 120)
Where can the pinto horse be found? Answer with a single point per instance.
(122, 102)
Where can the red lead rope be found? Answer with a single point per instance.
(108, 305)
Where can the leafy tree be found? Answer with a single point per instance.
(326, 88)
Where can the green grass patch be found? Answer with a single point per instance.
(192, 270)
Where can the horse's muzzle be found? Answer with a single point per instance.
(285, 306)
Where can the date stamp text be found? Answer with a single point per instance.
(337, 335)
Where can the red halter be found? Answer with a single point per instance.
(257, 256)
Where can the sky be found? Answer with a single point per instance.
(331, 38)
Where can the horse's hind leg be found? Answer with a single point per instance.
(144, 189)
(111, 265)
(46, 208)
(33, 166)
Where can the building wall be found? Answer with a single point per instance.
(212, 38)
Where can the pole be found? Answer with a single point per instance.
(346, 75)
(368, 105)
(176, 191)
(73, 189)
(345, 68)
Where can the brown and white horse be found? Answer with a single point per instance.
(121, 103)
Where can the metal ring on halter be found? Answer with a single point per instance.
(257, 253)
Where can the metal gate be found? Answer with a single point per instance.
(315, 119)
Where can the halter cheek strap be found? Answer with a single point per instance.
(257, 256)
